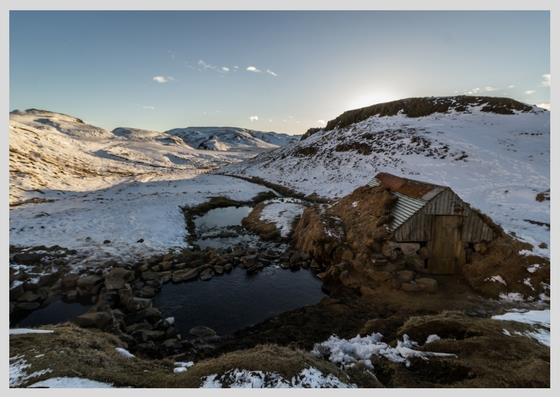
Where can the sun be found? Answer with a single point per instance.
(371, 98)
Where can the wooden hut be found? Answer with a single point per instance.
(435, 217)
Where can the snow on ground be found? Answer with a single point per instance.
(182, 366)
(360, 349)
(70, 382)
(18, 371)
(242, 378)
(498, 163)
(23, 331)
(540, 319)
(124, 353)
(282, 212)
(124, 214)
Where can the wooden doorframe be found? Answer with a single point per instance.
(447, 252)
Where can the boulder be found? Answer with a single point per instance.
(117, 278)
(146, 276)
(390, 250)
(99, 320)
(88, 282)
(184, 275)
(29, 296)
(411, 287)
(409, 248)
(69, 281)
(202, 332)
(427, 284)
(206, 274)
(405, 276)
(147, 292)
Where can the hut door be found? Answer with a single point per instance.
(446, 247)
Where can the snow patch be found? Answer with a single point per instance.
(70, 383)
(496, 279)
(18, 371)
(360, 349)
(282, 213)
(124, 353)
(23, 331)
(540, 319)
(241, 378)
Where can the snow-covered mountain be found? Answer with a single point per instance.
(231, 138)
(494, 152)
(52, 152)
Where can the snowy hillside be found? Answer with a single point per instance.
(56, 152)
(494, 152)
(231, 138)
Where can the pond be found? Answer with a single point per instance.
(56, 312)
(236, 300)
(221, 228)
(221, 218)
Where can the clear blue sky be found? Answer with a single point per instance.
(282, 71)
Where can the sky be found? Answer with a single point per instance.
(282, 71)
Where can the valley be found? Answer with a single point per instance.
(226, 257)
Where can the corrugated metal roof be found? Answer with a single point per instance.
(404, 207)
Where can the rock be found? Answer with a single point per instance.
(16, 292)
(390, 250)
(206, 274)
(147, 292)
(28, 258)
(106, 241)
(427, 284)
(89, 281)
(69, 281)
(409, 248)
(27, 306)
(228, 267)
(411, 287)
(202, 332)
(146, 276)
(219, 269)
(405, 276)
(71, 295)
(172, 344)
(135, 304)
(165, 277)
(99, 320)
(29, 296)
(117, 278)
(416, 262)
(141, 240)
(179, 276)
(166, 265)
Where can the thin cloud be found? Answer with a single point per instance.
(544, 105)
(511, 86)
(546, 80)
(253, 69)
(321, 122)
(162, 79)
(270, 72)
(149, 107)
(489, 88)
(530, 92)
(254, 118)
(203, 65)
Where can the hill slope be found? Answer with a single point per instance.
(51, 151)
(493, 152)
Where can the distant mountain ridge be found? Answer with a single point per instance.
(227, 138)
